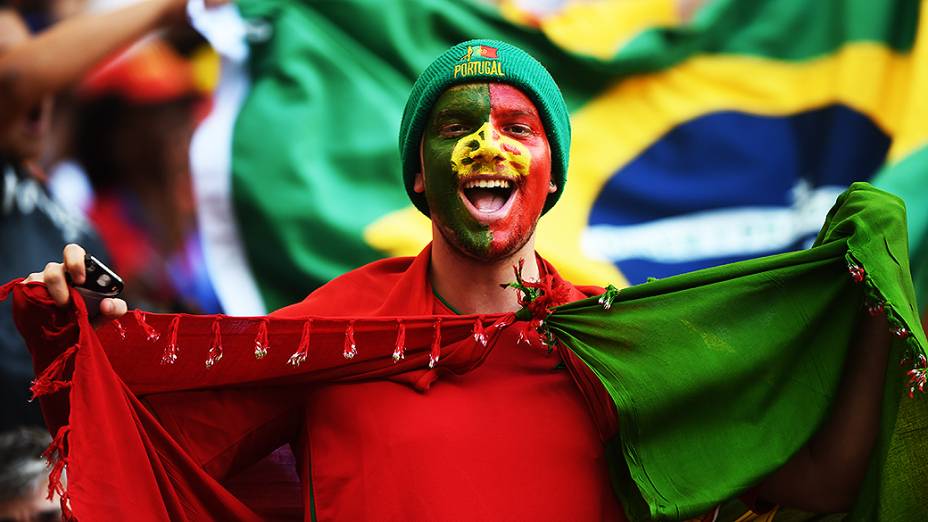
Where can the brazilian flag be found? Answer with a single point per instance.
(704, 132)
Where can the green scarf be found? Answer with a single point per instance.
(720, 375)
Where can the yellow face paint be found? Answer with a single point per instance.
(487, 152)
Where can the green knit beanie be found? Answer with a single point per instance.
(485, 61)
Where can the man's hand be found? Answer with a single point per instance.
(73, 264)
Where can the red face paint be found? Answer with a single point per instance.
(514, 115)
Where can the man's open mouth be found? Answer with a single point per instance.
(488, 196)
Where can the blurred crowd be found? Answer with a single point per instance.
(94, 136)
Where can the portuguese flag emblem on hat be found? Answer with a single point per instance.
(479, 51)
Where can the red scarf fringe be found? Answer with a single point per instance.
(55, 456)
(302, 351)
(120, 329)
(151, 334)
(399, 352)
(50, 381)
(215, 346)
(171, 351)
(351, 347)
(261, 342)
(435, 354)
(480, 335)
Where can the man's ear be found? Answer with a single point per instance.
(552, 188)
(418, 186)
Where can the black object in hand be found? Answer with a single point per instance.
(100, 279)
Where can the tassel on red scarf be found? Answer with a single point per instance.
(302, 351)
(55, 456)
(151, 334)
(435, 354)
(502, 322)
(530, 333)
(120, 329)
(480, 335)
(399, 352)
(171, 350)
(55, 486)
(351, 348)
(261, 342)
(50, 380)
(215, 345)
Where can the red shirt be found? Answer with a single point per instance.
(510, 440)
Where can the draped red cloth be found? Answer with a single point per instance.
(125, 400)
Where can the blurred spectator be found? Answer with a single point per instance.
(24, 479)
(134, 119)
(34, 227)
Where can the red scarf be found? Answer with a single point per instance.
(123, 464)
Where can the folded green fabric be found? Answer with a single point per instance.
(720, 375)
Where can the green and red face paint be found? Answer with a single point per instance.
(487, 167)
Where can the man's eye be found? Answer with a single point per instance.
(454, 129)
(518, 129)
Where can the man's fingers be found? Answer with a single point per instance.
(53, 275)
(74, 263)
(113, 308)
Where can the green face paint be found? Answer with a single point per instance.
(457, 113)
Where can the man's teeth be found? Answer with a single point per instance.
(487, 183)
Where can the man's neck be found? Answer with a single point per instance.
(472, 286)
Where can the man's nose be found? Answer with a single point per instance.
(488, 145)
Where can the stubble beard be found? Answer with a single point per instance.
(470, 250)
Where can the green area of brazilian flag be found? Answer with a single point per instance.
(315, 165)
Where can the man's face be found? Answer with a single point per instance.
(21, 139)
(486, 167)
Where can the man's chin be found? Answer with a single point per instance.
(491, 252)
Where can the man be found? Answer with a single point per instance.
(484, 144)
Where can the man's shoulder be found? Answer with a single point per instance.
(358, 292)
(577, 292)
